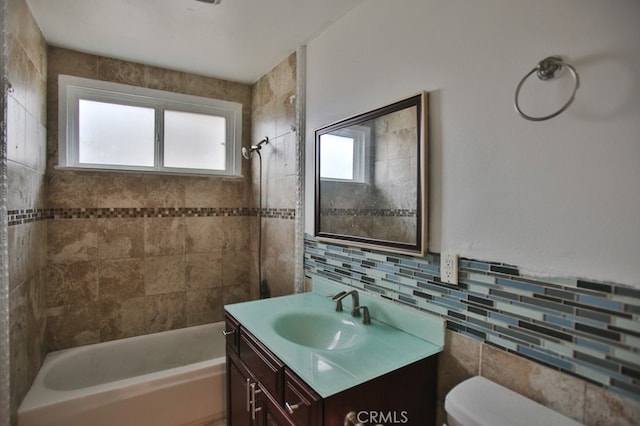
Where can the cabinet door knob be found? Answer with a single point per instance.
(291, 408)
(227, 333)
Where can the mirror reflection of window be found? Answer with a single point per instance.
(345, 154)
(336, 157)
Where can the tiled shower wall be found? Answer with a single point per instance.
(131, 254)
(273, 115)
(100, 256)
(589, 330)
(26, 151)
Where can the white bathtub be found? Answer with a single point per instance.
(171, 378)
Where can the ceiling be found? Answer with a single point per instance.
(237, 40)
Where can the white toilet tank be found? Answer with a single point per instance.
(481, 402)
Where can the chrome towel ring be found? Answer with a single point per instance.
(546, 70)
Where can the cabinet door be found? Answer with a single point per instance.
(304, 406)
(270, 413)
(238, 381)
(264, 366)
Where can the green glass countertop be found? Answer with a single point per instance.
(381, 349)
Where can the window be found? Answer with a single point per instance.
(345, 154)
(110, 126)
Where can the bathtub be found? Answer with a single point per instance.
(170, 378)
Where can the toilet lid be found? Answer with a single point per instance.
(481, 402)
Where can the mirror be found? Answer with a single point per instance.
(371, 186)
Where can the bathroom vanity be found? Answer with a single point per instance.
(293, 360)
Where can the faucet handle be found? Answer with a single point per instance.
(338, 295)
(338, 299)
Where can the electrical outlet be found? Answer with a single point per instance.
(449, 268)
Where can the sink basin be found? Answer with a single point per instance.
(330, 331)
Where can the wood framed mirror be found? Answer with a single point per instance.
(371, 178)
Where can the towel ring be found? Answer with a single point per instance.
(546, 70)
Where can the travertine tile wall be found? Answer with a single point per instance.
(26, 150)
(132, 254)
(273, 115)
(97, 256)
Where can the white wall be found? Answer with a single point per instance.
(559, 197)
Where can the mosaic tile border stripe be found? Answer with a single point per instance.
(19, 217)
(588, 329)
(369, 212)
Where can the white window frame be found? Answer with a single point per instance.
(72, 89)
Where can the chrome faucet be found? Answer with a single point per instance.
(355, 311)
(338, 299)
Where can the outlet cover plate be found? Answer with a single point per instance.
(449, 268)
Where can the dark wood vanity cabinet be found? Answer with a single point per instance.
(260, 388)
(263, 391)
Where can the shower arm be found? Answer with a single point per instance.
(247, 152)
(259, 144)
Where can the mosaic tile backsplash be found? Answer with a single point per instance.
(589, 329)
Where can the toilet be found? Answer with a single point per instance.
(480, 402)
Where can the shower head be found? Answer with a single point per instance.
(247, 152)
